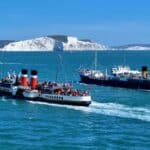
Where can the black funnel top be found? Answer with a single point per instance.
(34, 72)
(24, 71)
(144, 68)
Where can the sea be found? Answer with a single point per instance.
(117, 119)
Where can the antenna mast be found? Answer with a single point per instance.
(95, 60)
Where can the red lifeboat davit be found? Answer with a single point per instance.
(33, 81)
(24, 77)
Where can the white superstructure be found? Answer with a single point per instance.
(124, 70)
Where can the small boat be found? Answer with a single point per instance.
(19, 87)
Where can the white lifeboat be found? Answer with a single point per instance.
(31, 94)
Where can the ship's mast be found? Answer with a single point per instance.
(3, 63)
(60, 68)
(57, 68)
(95, 60)
(124, 58)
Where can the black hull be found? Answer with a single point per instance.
(63, 102)
(39, 99)
(130, 83)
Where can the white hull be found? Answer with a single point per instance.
(67, 98)
(11, 90)
(59, 99)
(71, 100)
(31, 94)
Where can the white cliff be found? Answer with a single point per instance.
(37, 44)
(49, 43)
(75, 44)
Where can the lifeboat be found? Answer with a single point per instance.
(31, 94)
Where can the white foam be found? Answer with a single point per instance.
(10, 63)
(110, 109)
(3, 99)
(14, 102)
(120, 110)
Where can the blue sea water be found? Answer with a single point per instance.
(117, 118)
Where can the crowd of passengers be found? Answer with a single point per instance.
(58, 89)
(61, 89)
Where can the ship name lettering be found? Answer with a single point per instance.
(54, 97)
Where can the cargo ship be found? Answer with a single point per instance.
(23, 88)
(120, 76)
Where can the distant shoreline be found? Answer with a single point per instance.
(64, 43)
(70, 51)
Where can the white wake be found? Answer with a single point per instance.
(110, 109)
(10, 63)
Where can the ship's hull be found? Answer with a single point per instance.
(54, 99)
(143, 84)
(66, 100)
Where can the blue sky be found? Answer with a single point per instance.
(111, 22)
